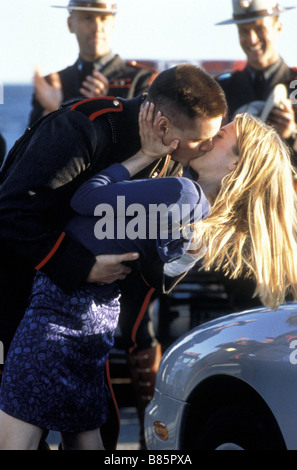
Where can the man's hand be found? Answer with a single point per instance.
(283, 119)
(49, 95)
(94, 85)
(109, 268)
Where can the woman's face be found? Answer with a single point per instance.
(221, 159)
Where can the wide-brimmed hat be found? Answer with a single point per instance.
(91, 5)
(245, 11)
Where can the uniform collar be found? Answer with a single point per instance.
(268, 72)
(98, 64)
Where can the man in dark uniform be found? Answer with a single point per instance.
(59, 153)
(97, 71)
(259, 29)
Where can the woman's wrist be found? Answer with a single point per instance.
(138, 162)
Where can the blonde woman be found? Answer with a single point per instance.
(252, 227)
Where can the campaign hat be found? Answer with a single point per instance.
(91, 5)
(246, 11)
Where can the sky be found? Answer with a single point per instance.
(32, 33)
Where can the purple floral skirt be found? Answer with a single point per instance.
(54, 374)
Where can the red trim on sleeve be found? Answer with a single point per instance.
(104, 111)
(117, 106)
(139, 318)
(51, 253)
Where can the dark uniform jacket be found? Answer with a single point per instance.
(126, 79)
(239, 89)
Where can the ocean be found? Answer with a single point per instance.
(15, 111)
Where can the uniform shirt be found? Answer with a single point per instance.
(126, 79)
(239, 88)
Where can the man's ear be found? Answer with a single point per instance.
(162, 125)
(70, 25)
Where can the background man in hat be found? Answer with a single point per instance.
(97, 71)
(259, 29)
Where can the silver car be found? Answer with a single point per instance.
(229, 384)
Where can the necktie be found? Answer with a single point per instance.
(259, 85)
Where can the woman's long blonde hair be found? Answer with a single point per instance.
(252, 227)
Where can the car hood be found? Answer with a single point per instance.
(248, 345)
